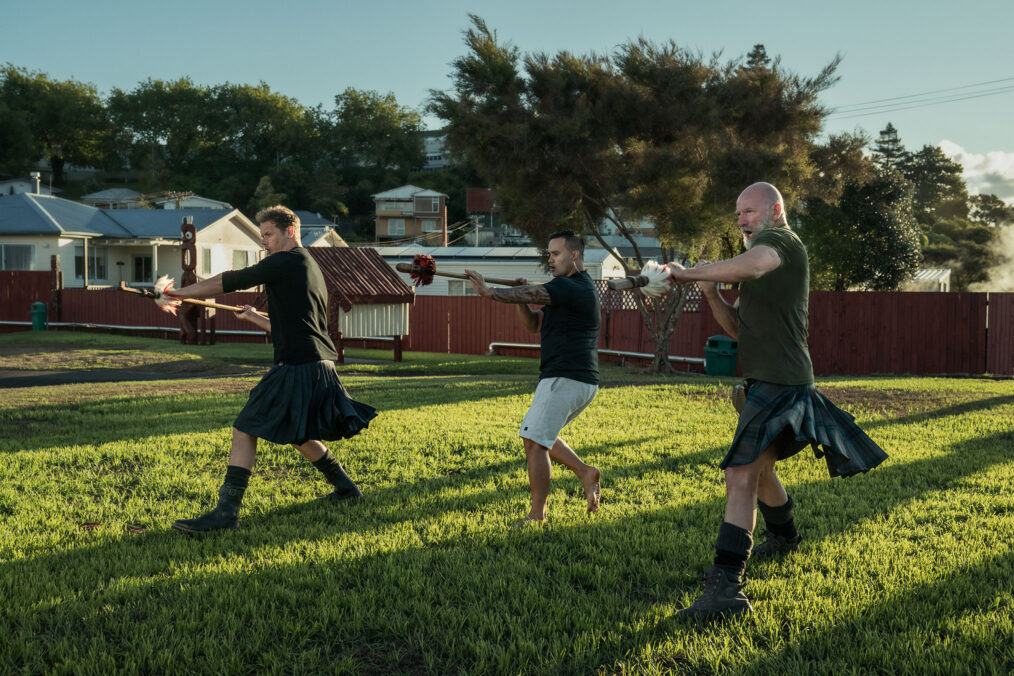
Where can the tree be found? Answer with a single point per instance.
(45, 118)
(265, 196)
(652, 132)
(990, 210)
(889, 153)
(868, 239)
(372, 129)
(940, 191)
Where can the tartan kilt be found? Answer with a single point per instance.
(790, 417)
(297, 403)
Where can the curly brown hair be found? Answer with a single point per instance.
(281, 216)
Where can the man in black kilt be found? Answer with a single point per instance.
(300, 401)
(783, 412)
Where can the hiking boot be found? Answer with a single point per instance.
(223, 517)
(776, 545)
(723, 597)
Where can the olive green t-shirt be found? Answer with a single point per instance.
(772, 312)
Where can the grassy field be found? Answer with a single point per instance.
(909, 569)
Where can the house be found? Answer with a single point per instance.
(411, 213)
(929, 279)
(15, 186)
(187, 201)
(113, 198)
(315, 230)
(102, 247)
(434, 147)
(500, 262)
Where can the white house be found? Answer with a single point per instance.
(499, 262)
(14, 186)
(102, 247)
(191, 202)
(113, 198)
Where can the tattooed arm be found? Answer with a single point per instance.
(521, 296)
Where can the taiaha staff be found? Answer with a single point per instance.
(167, 302)
(653, 280)
(423, 267)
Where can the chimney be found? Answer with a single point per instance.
(35, 176)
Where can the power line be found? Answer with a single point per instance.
(880, 110)
(934, 91)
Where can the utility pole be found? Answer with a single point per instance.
(475, 220)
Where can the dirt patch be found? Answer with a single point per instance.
(892, 401)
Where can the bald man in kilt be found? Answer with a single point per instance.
(783, 412)
(300, 401)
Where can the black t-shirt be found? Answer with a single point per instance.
(570, 330)
(297, 304)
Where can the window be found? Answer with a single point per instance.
(97, 262)
(430, 225)
(460, 287)
(17, 256)
(396, 226)
(206, 262)
(240, 259)
(142, 268)
(427, 205)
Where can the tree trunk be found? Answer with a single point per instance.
(56, 163)
(661, 317)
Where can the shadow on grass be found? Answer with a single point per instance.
(377, 586)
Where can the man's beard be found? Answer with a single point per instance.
(761, 227)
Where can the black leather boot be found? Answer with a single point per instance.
(344, 487)
(226, 514)
(723, 597)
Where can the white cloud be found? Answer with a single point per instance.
(992, 172)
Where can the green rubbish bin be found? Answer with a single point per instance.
(720, 356)
(38, 313)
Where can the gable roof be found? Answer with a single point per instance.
(112, 194)
(165, 223)
(407, 192)
(360, 276)
(32, 214)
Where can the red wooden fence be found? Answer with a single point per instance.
(1000, 334)
(850, 332)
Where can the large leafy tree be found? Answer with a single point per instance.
(651, 132)
(45, 118)
(868, 238)
(373, 130)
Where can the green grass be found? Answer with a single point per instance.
(907, 569)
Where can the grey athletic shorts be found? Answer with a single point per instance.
(557, 401)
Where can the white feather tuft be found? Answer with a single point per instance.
(659, 283)
(163, 295)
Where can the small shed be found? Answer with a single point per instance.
(929, 279)
(367, 298)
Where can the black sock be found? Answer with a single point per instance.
(238, 477)
(779, 519)
(732, 548)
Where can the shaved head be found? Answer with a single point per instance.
(768, 195)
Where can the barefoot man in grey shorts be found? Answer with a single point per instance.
(568, 323)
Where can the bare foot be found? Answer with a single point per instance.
(592, 488)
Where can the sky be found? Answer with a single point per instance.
(907, 52)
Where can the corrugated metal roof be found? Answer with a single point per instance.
(31, 214)
(164, 223)
(113, 194)
(360, 276)
(932, 275)
(310, 218)
(407, 191)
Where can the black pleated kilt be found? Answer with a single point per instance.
(297, 403)
(790, 417)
